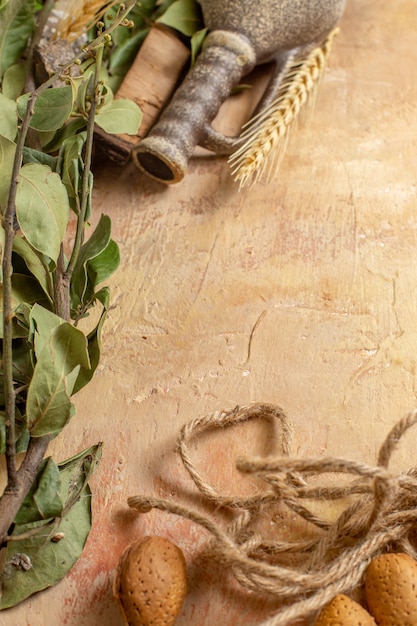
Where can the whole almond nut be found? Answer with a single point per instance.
(343, 611)
(151, 582)
(391, 589)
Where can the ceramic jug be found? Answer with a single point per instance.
(241, 34)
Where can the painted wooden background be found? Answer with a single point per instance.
(301, 292)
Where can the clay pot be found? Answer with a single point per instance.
(242, 34)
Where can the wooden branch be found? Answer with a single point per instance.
(12, 499)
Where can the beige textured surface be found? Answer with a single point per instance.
(324, 255)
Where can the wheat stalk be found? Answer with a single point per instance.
(265, 135)
(79, 16)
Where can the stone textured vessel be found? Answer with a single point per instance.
(242, 34)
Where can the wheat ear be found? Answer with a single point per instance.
(79, 16)
(265, 135)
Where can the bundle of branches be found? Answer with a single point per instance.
(47, 286)
(60, 65)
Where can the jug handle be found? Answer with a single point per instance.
(221, 144)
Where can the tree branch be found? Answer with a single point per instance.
(11, 500)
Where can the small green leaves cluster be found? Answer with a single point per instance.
(54, 284)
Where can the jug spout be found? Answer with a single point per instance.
(164, 153)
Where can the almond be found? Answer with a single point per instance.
(343, 611)
(391, 589)
(151, 582)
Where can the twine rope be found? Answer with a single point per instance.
(380, 514)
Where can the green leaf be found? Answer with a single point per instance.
(184, 16)
(52, 108)
(8, 117)
(46, 493)
(84, 87)
(43, 501)
(42, 208)
(14, 81)
(22, 312)
(7, 152)
(104, 264)
(24, 289)
(103, 296)
(96, 244)
(125, 53)
(48, 406)
(42, 322)
(197, 43)
(77, 470)
(71, 152)
(94, 344)
(106, 98)
(69, 348)
(51, 559)
(35, 263)
(163, 6)
(121, 116)
(22, 362)
(52, 141)
(22, 438)
(30, 155)
(16, 25)
(98, 269)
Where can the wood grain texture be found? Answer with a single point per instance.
(324, 256)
